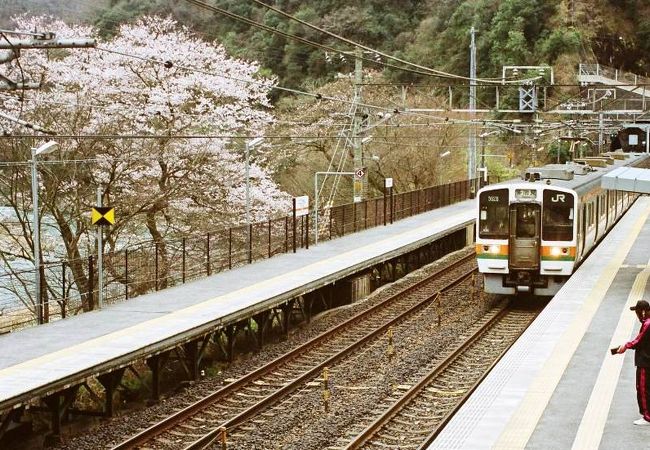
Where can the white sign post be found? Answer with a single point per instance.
(302, 206)
(388, 188)
(358, 184)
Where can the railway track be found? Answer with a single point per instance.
(413, 420)
(203, 422)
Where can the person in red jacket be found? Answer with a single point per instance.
(641, 346)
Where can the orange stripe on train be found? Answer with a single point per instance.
(481, 249)
(548, 251)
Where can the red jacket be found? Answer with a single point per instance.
(641, 345)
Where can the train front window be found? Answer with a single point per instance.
(493, 219)
(557, 217)
(527, 220)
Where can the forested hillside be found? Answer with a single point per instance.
(434, 32)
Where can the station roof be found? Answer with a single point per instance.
(631, 179)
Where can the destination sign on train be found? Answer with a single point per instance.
(525, 194)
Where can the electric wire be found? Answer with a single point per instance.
(440, 73)
(301, 39)
(317, 96)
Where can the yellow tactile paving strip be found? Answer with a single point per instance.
(523, 422)
(590, 431)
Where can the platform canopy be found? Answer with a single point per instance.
(629, 179)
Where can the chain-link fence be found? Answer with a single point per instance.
(71, 287)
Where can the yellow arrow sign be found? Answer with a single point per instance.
(102, 215)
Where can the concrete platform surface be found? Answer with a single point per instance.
(559, 387)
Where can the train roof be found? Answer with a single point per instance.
(578, 183)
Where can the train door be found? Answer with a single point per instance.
(597, 218)
(606, 210)
(583, 227)
(524, 236)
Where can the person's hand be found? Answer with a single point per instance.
(621, 349)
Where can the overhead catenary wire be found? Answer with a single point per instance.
(198, 136)
(294, 90)
(483, 123)
(8, 95)
(199, 70)
(39, 101)
(380, 140)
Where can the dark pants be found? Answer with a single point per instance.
(643, 391)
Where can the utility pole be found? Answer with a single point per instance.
(471, 150)
(358, 183)
(601, 138)
(100, 257)
(482, 136)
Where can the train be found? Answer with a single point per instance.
(532, 233)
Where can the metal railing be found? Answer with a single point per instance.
(152, 266)
(621, 76)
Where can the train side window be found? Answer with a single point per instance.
(601, 206)
(592, 213)
(493, 210)
(557, 215)
(601, 209)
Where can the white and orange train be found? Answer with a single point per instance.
(531, 234)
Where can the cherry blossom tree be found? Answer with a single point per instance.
(156, 80)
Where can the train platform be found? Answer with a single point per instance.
(44, 360)
(559, 387)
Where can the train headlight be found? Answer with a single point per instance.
(556, 251)
(495, 249)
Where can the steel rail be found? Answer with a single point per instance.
(238, 420)
(364, 437)
(149, 434)
(445, 420)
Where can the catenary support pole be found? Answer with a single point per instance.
(100, 256)
(471, 151)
